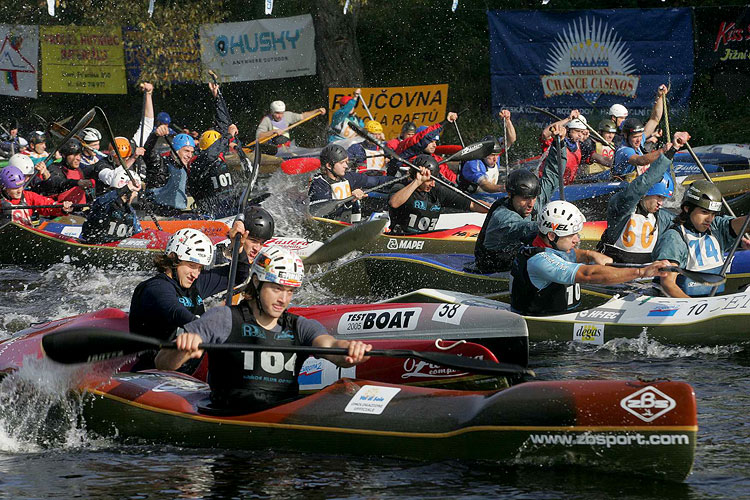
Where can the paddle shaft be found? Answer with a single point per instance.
(32, 207)
(281, 132)
(329, 206)
(708, 177)
(596, 134)
(364, 105)
(707, 278)
(393, 154)
(458, 131)
(560, 167)
(732, 251)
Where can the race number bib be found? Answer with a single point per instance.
(341, 190)
(375, 162)
(639, 235)
(704, 252)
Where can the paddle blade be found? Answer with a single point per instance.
(473, 365)
(348, 240)
(86, 345)
(710, 279)
(447, 149)
(323, 208)
(473, 151)
(300, 165)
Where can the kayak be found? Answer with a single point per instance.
(707, 321)
(639, 427)
(386, 274)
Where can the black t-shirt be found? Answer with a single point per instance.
(422, 210)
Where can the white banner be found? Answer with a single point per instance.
(260, 49)
(19, 60)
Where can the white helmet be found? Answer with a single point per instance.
(278, 265)
(562, 218)
(191, 245)
(22, 142)
(117, 178)
(577, 123)
(90, 134)
(23, 163)
(278, 107)
(618, 111)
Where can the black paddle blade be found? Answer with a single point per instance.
(474, 151)
(348, 240)
(85, 345)
(324, 208)
(472, 365)
(711, 279)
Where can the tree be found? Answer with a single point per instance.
(339, 60)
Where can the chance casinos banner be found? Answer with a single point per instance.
(589, 59)
(82, 59)
(394, 106)
(19, 60)
(722, 39)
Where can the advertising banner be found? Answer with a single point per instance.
(182, 44)
(393, 106)
(722, 39)
(19, 60)
(259, 50)
(82, 59)
(589, 59)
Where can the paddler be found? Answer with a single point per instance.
(278, 120)
(546, 275)
(574, 136)
(548, 134)
(166, 173)
(112, 217)
(697, 240)
(13, 194)
(38, 142)
(174, 297)
(482, 175)
(408, 129)
(511, 222)
(367, 157)
(618, 114)
(68, 179)
(91, 139)
(341, 117)
(630, 159)
(250, 381)
(415, 207)
(424, 142)
(335, 182)
(635, 217)
(598, 157)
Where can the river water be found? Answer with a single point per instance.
(46, 452)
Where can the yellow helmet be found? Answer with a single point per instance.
(374, 127)
(207, 138)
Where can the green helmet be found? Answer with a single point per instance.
(703, 194)
(607, 125)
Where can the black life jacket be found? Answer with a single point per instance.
(255, 379)
(527, 299)
(420, 213)
(496, 261)
(209, 179)
(112, 222)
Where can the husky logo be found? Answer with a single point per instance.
(648, 404)
(589, 59)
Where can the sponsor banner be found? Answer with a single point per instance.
(589, 59)
(588, 333)
(381, 320)
(82, 59)
(260, 49)
(722, 39)
(19, 60)
(183, 65)
(394, 106)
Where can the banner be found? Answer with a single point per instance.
(260, 49)
(19, 60)
(82, 59)
(183, 64)
(723, 39)
(589, 59)
(394, 106)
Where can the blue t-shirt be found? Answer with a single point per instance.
(552, 266)
(621, 165)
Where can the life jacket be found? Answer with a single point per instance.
(109, 223)
(22, 216)
(527, 299)
(490, 260)
(420, 213)
(172, 194)
(637, 241)
(282, 139)
(205, 181)
(704, 255)
(190, 299)
(255, 378)
(492, 174)
(344, 130)
(375, 159)
(605, 151)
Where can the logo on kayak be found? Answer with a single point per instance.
(394, 244)
(133, 243)
(421, 369)
(588, 333)
(589, 59)
(383, 320)
(371, 399)
(648, 404)
(611, 315)
(663, 311)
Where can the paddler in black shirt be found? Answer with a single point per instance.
(416, 206)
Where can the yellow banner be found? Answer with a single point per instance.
(82, 59)
(393, 106)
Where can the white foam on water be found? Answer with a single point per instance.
(645, 346)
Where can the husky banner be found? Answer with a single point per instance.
(19, 60)
(589, 59)
(260, 49)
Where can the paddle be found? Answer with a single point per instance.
(708, 177)
(596, 134)
(460, 139)
(697, 276)
(348, 240)
(86, 345)
(505, 146)
(32, 207)
(281, 131)
(560, 167)
(62, 131)
(364, 105)
(83, 122)
(391, 153)
(296, 166)
(731, 253)
(324, 208)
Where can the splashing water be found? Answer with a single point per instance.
(644, 346)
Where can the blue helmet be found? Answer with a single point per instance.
(163, 117)
(182, 140)
(665, 187)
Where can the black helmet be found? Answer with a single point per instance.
(607, 125)
(497, 148)
(408, 127)
(632, 126)
(522, 182)
(72, 147)
(703, 194)
(37, 137)
(259, 223)
(333, 153)
(428, 162)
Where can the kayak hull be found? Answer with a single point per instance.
(596, 423)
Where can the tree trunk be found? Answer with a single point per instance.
(339, 61)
